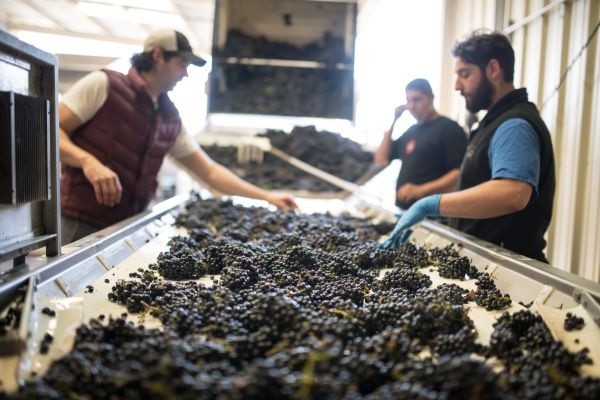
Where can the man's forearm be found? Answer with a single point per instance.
(444, 184)
(226, 181)
(71, 154)
(487, 200)
(382, 155)
(219, 177)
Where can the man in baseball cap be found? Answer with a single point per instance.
(116, 129)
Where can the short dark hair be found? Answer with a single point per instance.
(144, 62)
(481, 47)
(420, 84)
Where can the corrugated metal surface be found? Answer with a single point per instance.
(544, 49)
(31, 148)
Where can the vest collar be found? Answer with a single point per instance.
(504, 104)
(136, 80)
(164, 103)
(138, 83)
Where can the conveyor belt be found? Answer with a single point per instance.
(114, 253)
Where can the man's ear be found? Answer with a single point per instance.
(157, 54)
(493, 70)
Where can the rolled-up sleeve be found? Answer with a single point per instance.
(184, 145)
(514, 153)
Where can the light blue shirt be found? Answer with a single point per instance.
(514, 153)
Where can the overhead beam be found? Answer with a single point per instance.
(38, 10)
(93, 20)
(93, 36)
(521, 23)
(99, 24)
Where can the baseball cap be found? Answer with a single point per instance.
(173, 41)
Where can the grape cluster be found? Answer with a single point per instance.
(409, 255)
(443, 255)
(458, 268)
(46, 342)
(460, 342)
(48, 311)
(488, 296)
(182, 261)
(452, 293)
(405, 278)
(240, 274)
(297, 312)
(573, 322)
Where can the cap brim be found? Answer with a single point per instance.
(194, 59)
(198, 61)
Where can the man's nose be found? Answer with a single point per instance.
(457, 85)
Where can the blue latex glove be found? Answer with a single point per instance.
(427, 206)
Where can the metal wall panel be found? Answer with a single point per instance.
(544, 48)
(590, 252)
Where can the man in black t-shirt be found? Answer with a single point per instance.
(431, 150)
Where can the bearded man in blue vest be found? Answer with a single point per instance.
(115, 131)
(507, 181)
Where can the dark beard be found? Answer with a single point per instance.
(482, 98)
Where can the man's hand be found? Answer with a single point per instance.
(399, 110)
(382, 155)
(408, 192)
(282, 200)
(107, 186)
(427, 206)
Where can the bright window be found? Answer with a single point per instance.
(399, 41)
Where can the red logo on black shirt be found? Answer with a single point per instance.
(410, 146)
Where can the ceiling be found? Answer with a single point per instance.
(87, 34)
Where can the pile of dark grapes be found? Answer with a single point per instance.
(298, 313)
(325, 92)
(290, 91)
(536, 365)
(11, 315)
(239, 44)
(325, 150)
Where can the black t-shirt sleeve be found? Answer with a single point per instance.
(455, 145)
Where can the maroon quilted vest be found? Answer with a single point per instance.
(131, 137)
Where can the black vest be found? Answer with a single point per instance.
(523, 231)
